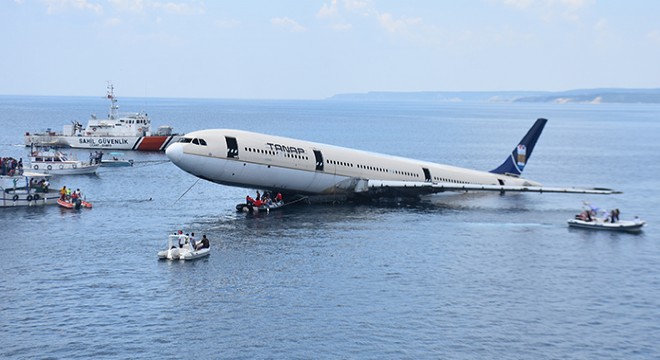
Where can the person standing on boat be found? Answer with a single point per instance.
(63, 193)
(192, 241)
(183, 240)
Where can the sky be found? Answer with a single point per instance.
(307, 49)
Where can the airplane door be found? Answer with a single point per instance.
(427, 175)
(319, 160)
(232, 147)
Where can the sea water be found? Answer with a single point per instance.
(460, 276)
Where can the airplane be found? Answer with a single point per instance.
(302, 168)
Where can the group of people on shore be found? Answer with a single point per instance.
(10, 166)
(197, 245)
(265, 199)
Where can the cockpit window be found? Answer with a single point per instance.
(198, 141)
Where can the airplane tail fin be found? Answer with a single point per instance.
(515, 163)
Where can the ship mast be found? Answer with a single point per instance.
(114, 108)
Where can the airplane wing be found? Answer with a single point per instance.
(417, 188)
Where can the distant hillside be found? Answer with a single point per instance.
(598, 96)
(592, 96)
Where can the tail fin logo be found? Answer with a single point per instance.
(517, 159)
(522, 156)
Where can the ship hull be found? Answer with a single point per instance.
(139, 143)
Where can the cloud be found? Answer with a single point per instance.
(601, 25)
(551, 9)
(575, 4)
(178, 8)
(139, 6)
(654, 36)
(565, 4)
(287, 23)
(520, 4)
(392, 25)
(110, 22)
(227, 23)
(57, 6)
(342, 27)
(357, 4)
(328, 11)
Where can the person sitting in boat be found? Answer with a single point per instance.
(258, 203)
(584, 216)
(203, 244)
(278, 198)
(249, 200)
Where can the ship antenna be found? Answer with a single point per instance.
(114, 108)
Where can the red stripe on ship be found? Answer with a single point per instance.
(151, 143)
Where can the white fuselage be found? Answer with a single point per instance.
(260, 161)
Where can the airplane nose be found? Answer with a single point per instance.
(174, 152)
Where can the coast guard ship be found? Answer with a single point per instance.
(131, 131)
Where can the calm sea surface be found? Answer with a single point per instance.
(462, 276)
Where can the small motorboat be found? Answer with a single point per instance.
(55, 162)
(180, 247)
(26, 190)
(255, 207)
(74, 204)
(599, 224)
(251, 208)
(116, 160)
